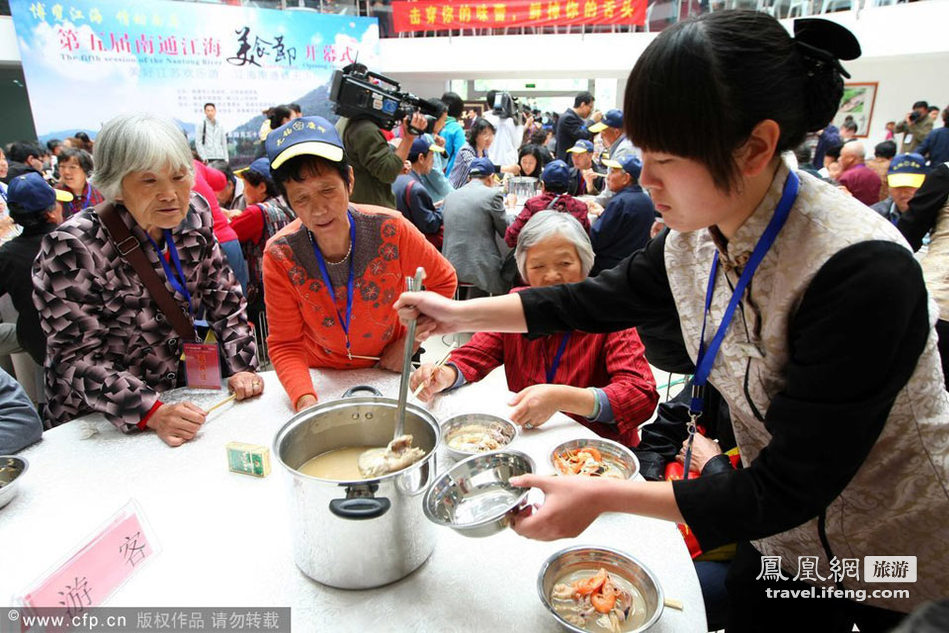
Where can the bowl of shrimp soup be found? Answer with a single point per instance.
(599, 590)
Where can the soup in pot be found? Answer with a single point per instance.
(363, 462)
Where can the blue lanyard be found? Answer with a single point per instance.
(706, 356)
(175, 277)
(344, 323)
(552, 370)
(85, 205)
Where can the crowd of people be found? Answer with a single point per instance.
(125, 251)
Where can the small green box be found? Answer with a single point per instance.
(248, 459)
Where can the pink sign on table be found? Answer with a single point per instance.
(203, 366)
(91, 575)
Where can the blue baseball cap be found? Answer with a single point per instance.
(906, 170)
(260, 166)
(630, 164)
(481, 167)
(581, 146)
(421, 145)
(612, 118)
(305, 136)
(33, 194)
(556, 173)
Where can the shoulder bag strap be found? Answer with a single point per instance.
(131, 251)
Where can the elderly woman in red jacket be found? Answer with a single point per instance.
(600, 380)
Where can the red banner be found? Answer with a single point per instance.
(432, 15)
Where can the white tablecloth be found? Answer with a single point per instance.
(226, 540)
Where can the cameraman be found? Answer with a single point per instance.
(375, 165)
(915, 127)
(507, 140)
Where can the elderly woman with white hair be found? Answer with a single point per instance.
(600, 380)
(111, 347)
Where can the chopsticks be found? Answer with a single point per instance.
(441, 362)
(221, 403)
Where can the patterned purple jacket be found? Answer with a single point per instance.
(109, 348)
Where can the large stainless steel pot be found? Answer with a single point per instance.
(366, 533)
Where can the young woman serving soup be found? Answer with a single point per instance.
(804, 310)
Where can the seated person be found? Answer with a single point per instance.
(531, 159)
(588, 180)
(412, 199)
(623, 228)
(904, 178)
(109, 348)
(333, 274)
(20, 425)
(555, 180)
(600, 380)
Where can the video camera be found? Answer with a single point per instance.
(505, 107)
(359, 93)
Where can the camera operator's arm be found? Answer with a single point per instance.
(419, 123)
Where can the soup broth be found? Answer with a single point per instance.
(341, 464)
(628, 613)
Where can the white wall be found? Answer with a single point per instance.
(902, 81)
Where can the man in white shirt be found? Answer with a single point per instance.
(507, 139)
(210, 139)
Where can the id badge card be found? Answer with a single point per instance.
(202, 365)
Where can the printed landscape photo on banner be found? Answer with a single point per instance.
(171, 58)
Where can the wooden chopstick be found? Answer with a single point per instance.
(441, 362)
(673, 604)
(221, 403)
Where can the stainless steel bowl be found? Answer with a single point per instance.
(624, 458)
(474, 497)
(506, 429)
(589, 558)
(11, 471)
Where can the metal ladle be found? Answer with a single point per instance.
(414, 285)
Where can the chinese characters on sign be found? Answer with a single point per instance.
(876, 569)
(430, 15)
(100, 566)
(261, 49)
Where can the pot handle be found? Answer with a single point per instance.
(353, 390)
(360, 508)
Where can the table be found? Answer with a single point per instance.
(226, 540)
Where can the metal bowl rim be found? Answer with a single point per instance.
(462, 527)
(457, 454)
(660, 594)
(331, 405)
(625, 450)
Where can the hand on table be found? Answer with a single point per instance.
(177, 423)
(436, 379)
(703, 449)
(245, 384)
(570, 505)
(304, 402)
(535, 405)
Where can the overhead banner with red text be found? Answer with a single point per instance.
(433, 15)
